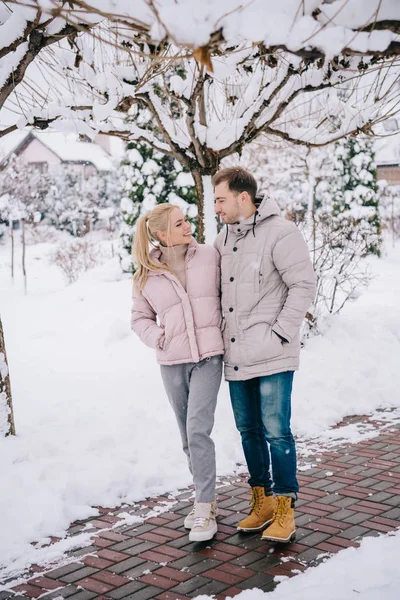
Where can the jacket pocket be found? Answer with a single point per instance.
(260, 343)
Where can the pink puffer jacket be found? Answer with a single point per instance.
(181, 326)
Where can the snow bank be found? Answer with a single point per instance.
(93, 422)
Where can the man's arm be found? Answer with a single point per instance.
(292, 260)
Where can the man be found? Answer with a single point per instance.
(268, 283)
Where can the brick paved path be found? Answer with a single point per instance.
(354, 491)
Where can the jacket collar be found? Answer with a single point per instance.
(266, 207)
(156, 253)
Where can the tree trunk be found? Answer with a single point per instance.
(12, 248)
(206, 220)
(5, 386)
(23, 252)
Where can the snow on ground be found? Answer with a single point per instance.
(94, 426)
(370, 572)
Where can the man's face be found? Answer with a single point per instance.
(227, 203)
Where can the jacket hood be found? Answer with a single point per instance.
(266, 207)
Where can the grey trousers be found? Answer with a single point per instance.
(192, 390)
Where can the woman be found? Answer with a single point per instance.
(176, 311)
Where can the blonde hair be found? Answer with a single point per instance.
(147, 226)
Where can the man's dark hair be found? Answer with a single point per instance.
(238, 180)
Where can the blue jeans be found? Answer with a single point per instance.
(262, 410)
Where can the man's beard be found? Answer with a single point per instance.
(235, 218)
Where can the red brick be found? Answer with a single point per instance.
(325, 507)
(156, 557)
(211, 553)
(309, 510)
(375, 505)
(385, 521)
(315, 526)
(381, 464)
(227, 529)
(338, 541)
(173, 574)
(236, 570)
(111, 578)
(157, 581)
(110, 519)
(377, 526)
(230, 549)
(332, 465)
(225, 512)
(222, 576)
(341, 479)
(363, 509)
(101, 543)
(99, 524)
(170, 516)
(32, 591)
(157, 521)
(353, 494)
(94, 586)
(46, 583)
(355, 478)
(306, 496)
(371, 453)
(312, 492)
(113, 536)
(96, 562)
(151, 536)
(390, 478)
(326, 547)
(304, 479)
(172, 596)
(291, 566)
(231, 592)
(171, 551)
(333, 523)
(171, 534)
(112, 555)
(278, 571)
(220, 537)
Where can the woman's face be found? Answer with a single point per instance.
(180, 230)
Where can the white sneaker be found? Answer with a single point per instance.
(189, 519)
(205, 525)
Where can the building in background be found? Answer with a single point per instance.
(48, 150)
(387, 152)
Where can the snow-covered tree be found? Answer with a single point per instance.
(76, 204)
(22, 191)
(354, 192)
(151, 178)
(291, 175)
(216, 84)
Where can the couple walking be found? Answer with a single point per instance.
(259, 275)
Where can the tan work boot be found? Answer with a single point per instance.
(262, 511)
(283, 528)
(204, 526)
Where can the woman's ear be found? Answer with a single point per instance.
(162, 237)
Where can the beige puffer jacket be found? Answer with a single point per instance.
(268, 284)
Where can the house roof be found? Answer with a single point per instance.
(67, 148)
